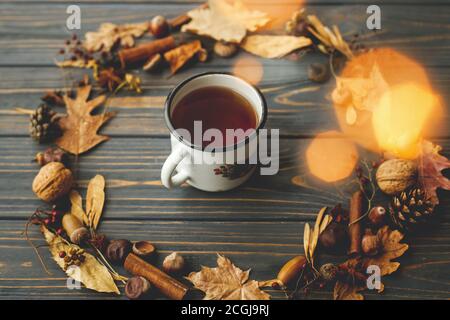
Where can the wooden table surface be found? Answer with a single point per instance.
(260, 224)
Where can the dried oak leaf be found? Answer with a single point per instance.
(359, 93)
(226, 282)
(107, 36)
(79, 127)
(268, 46)
(178, 57)
(391, 248)
(91, 273)
(431, 163)
(95, 199)
(224, 21)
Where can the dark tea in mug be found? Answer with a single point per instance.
(217, 108)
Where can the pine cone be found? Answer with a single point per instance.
(43, 127)
(410, 209)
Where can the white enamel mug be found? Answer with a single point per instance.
(211, 174)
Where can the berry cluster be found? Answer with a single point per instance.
(74, 257)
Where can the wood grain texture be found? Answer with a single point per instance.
(30, 39)
(132, 171)
(258, 225)
(255, 245)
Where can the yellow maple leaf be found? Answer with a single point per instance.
(226, 282)
(225, 21)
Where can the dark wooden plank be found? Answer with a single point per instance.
(31, 34)
(297, 106)
(261, 246)
(132, 170)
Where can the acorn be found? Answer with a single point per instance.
(159, 27)
(291, 270)
(334, 237)
(74, 228)
(137, 287)
(377, 216)
(173, 263)
(328, 271)
(118, 250)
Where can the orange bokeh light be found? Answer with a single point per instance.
(331, 157)
(402, 112)
(279, 11)
(249, 69)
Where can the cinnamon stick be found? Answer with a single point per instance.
(354, 229)
(178, 21)
(170, 287)
(141, 53)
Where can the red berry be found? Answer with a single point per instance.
(47, 221)
(59, 231)
(62, 254)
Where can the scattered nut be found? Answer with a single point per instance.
(51, 155)
(224, 49)
(137, 287)
(173, 263)
(118, 250)
(319, 72)
(377, 216)
(159, 27)
(291, 270)
(74, 228)
(143, 248)
(152, 63)
(334, 237)
(396, 175)
(202, 55)
(52, 182)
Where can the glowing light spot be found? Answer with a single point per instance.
(249, 69)
(331, 157)
(400, 117)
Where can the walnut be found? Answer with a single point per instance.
(52, 182)
(396, 175)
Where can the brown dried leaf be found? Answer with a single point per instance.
(77, 207)
(79, 127)
(268, 46)
(178, 57)
(224, 21)
(359, 93)
(391, 248)
(226, 282)
(91, 273)
(95, 199)
(431, 163)
(106, 37)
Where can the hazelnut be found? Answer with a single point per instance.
(118, 250)
(74, 228)
(319, 72)
(377, 216)
(396, 175)
(370, 244)
(159, 27)
(143, 248)
(137, 287)
(52, 182)
(202, 55)
(173, 263)
(224, 49)
(334, 237)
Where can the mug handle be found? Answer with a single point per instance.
(167, 178)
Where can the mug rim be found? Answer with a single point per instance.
(241, 143)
